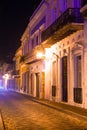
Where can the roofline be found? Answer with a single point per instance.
(37, 9)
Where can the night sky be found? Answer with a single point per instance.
(14, 18)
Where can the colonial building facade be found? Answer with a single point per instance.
(54, 52)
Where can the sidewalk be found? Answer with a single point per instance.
(62, 107)
(65, 108)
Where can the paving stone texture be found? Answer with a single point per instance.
(21, 113)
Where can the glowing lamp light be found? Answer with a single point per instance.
(48, 54)
(6, 76)
(40, 55)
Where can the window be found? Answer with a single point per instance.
(32, 84)
(32, 42)
(54, 79)
(78, 80)
(54, 73)
(37, 40)
(78, 72)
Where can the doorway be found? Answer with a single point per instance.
(37, 84)
(64, 79)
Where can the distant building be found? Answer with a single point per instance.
(17, 71)
(54, 52)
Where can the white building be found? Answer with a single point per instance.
(57, 29)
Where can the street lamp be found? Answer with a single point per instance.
(40, 55)
(6, 77)
(45, 56)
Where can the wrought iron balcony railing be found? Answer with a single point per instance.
(71, 15)
(30, 57)
(78, 95)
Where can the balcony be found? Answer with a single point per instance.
(69, 22)
(84, 8)
(30, 57)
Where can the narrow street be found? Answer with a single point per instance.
(21, 113)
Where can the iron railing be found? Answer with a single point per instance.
(78, 95)
(53, 90)
(71, 15)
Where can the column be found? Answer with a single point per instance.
(71, 79)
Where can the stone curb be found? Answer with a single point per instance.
(59, 108)
(67, 111)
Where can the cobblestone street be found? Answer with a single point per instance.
(21, 113)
